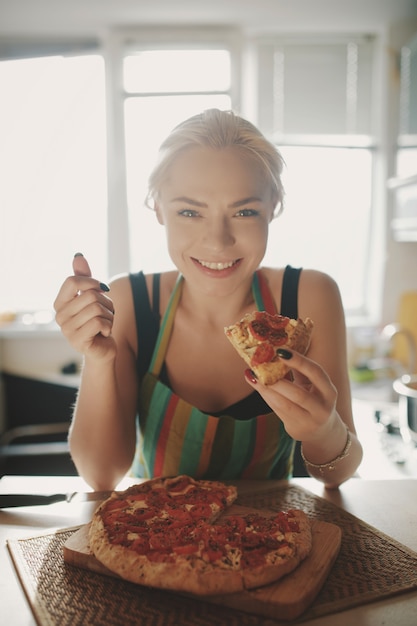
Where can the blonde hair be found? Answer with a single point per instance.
(218, 129)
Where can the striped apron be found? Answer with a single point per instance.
(173, 437)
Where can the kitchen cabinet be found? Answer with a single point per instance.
(37, 399)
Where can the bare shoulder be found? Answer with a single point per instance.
(319, 298)
(319, 295)
(120, 291)
(318, 292)
(121, 294)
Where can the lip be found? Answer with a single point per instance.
(219, 273)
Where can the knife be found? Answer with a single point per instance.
(26, 499)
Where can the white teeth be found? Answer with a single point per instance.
(216, 266)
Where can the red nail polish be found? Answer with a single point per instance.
(251, 376)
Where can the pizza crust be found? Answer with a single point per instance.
(296, 335)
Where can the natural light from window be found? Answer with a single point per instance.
(53, 171)
(164, 97)
(53, 195)
(326, 221)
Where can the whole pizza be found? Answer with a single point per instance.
(179, 534)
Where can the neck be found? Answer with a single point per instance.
(214, 309)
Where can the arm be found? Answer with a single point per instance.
(316, 407)
(102, 435)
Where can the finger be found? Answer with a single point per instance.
(81, 268)
(317, 397)
(80, 265)
(94, 330)
(90, 322)
(311, 387)
(74, 286)
(309, 370)
(81, 325)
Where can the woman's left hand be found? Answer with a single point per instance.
(307, 404)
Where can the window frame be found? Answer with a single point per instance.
(116, 45)
(375, 141)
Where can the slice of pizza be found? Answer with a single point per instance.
(259, 335)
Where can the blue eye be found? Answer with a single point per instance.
(247, 213)
(188, 213)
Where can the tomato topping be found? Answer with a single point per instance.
(277, 321)
(160, 557)
(140, 515)
(263, 354)
(252, 558)
(177, 523)
(287, 523)
(160, 541)
(179, 485)
(201, 511)
(140, 545)
(113, 505)
(188, 548)
(117, 518)
(213, 555)
(179, 514)
(269, 328)
(236, 523)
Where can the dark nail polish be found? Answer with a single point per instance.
(104, 287)
(251, 376)
(78, 254)
(284, 354)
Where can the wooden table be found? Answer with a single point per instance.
(388, 505)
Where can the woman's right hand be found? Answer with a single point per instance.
(85, 313)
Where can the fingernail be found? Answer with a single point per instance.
(104, 287)
(284, 354)
(251, 377)
(78, 254)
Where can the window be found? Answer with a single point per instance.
(74, 178)
(53, 172)
(326, 221)
(163, 87)
(315, 103)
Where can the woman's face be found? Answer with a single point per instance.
(216, 206)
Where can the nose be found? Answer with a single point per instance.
(218, 234)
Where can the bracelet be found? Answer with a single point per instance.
(331, 465)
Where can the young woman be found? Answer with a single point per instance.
(163, 392)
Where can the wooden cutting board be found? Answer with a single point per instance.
(286, 599)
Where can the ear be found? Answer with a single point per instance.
(158, 213)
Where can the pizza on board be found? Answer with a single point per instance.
(259, 335)
(162, 533)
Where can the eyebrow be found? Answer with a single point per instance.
(248, 200)
(234, 205)
(188, 201)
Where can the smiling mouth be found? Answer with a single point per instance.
(216, 266)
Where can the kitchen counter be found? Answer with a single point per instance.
(388, 505)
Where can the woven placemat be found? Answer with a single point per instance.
(370, 566)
